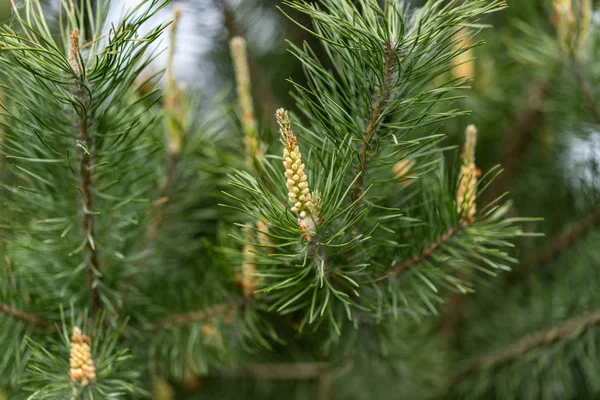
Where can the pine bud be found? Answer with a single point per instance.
(176, 17)
(467, 188)
(299, 196)
(586, 11)
(401, 171)
(74, 51)
(82, 364)
(191, 380)
(211, 335)
(263, 230)
(246, 278)
(174, 99)
(572, 23)
(463, 62)
(161, 389)
(242, 77)
(470, 143)
(308, 223)
(315, 206)
(297, 180)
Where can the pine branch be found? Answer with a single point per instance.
(451, 316)
(278, 371)
(86, 142)
(518, 141)
(374, 121)
(25, 317)
(562, 242)
(586, 90)
(198, 315)
(418, 258)
(572, 327)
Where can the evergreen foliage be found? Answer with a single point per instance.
(151, 242)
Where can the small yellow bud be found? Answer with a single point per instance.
(174, 94)
(246, 277)
(467, 187)
(401, 171)
(161, 390)
(210, 333)
(299, 194)
(263, 233)
(242, 77)
(81, 362)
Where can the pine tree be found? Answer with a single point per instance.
(357, 243)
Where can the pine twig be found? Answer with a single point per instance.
(586, 90)
(531, 342)
(374, 121)
(86, 142)
(198, 315)
(25, 317)
(409, 263)
(518, 141)
(281, 371)
(562, 242)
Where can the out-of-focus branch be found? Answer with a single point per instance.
(567, 329)
(197, 315)
(562, 242)
(586, 91)
(279, 371)
(24, 316)
(518, 141)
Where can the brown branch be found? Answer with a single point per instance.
(88, 226)
(198, 315)
(321, 371)
(569, 328)
(418, 258)
(518, 141)
(586, 91)
(86, 151)
(374, 121)
(279, 371)
(25, 317)
(562, 242)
